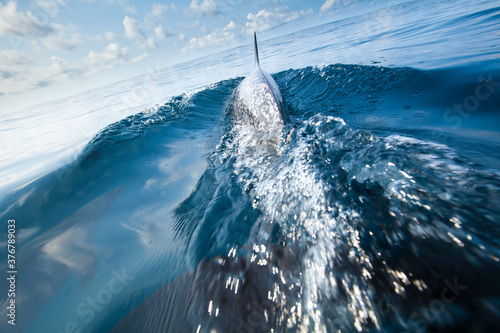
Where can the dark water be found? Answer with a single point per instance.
(376, 208)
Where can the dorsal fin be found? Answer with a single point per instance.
(256, 49)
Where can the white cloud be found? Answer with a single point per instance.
(267, 19)
(108, 36)
(132, 29)
(24, 76)
(156, 14)
(13, 22)
(112, 52)
(61, 39)
(60, 70)
(189, 25)
(149, 44)
(131, 9)
(112, 56)
(27, 28)
(11, 63)
(161, 33)
(51, 7)
(20, 72)
(328, 5)
(215, 38)
(61, 42)
(205, 8)
(118, 2)
(158, 9)
(181, 37)
(10, 58)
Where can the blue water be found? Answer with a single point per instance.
(141, 207)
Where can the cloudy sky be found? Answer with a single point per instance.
(49, 48)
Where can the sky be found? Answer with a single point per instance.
(53, 48)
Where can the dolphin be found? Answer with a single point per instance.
(257, 100)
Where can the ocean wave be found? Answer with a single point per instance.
(334, 221)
